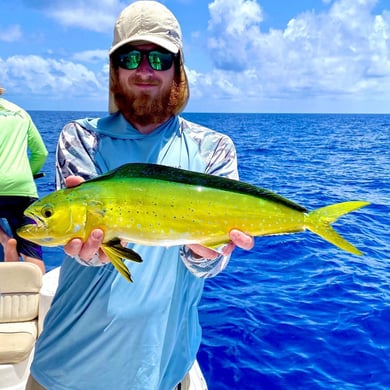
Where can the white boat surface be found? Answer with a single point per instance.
(25, 298)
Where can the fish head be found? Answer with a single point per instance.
(56, 218)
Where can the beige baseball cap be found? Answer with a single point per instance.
(147, 21)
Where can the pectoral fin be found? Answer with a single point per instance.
(116, 252)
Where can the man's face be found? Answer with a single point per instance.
(143, 94)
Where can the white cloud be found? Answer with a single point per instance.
(60, 78)
(343, 52)
(91, 56)
(232, 24)
(11, 33)
(91, 15)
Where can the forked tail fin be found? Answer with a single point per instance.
(319, 221)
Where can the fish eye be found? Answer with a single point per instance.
(47, 211)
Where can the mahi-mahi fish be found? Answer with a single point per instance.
(158, 205)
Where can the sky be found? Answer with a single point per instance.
(261, 56)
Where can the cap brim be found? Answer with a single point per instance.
(142, 39)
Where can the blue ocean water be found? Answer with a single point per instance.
(295, 312)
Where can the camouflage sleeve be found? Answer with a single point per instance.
(75, 153)
(75, 156)
(223, 160)
(203, 268)
(219, 152)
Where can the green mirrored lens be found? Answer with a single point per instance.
(157, 60)
(160, 61)
(130, 60)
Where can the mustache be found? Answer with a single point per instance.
(137, 79)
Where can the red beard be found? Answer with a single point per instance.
(141, 108)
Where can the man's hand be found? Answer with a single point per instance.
(86, 250)
(76, 247)
(238, 239)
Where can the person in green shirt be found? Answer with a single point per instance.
(22, 155)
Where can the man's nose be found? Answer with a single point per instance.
(144, 64)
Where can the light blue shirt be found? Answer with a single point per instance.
(103, 332)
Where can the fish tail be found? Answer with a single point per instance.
(319, 221)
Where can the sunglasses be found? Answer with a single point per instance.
(158, 60)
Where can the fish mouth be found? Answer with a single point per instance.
(36, 228)
(38, 222)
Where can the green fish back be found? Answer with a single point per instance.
(177, 175)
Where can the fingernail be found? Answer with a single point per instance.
(97, 234)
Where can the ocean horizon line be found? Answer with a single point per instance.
(232, 113)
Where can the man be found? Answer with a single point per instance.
(101, 331)
(22, 155)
